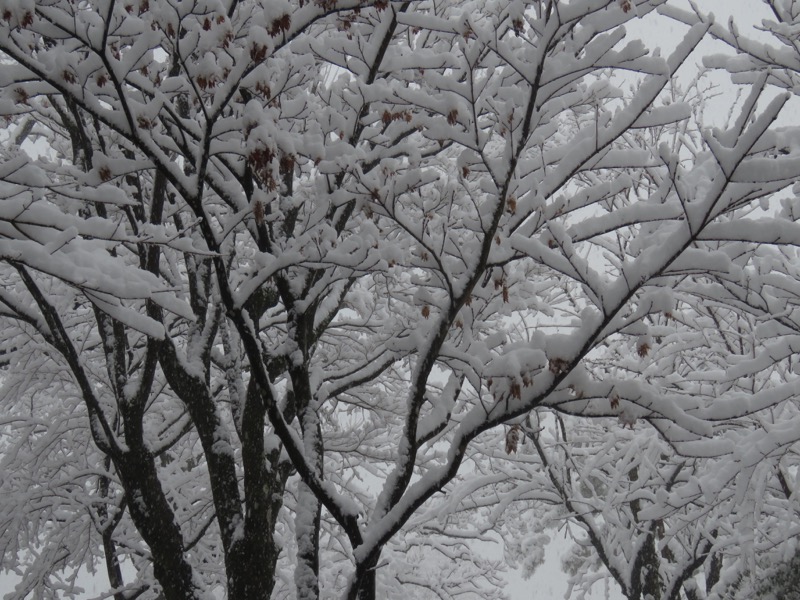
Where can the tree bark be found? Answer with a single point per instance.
(155, 520)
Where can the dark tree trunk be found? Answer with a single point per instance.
(252, 564)
(367, 589)
(652, 587)
(307, 524)
(153, 517)
(309, 513)
(108, 525)
(713, 572)
(646, 580)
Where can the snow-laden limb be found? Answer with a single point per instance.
(535, 383)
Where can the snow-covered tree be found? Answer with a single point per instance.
(290, 263)
(776, 581)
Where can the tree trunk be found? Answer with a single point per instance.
(713, 571)
(307, 523)
(153, 517)
(367, 589)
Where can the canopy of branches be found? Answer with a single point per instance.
(314, 298)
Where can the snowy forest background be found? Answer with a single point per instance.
(359, 299)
